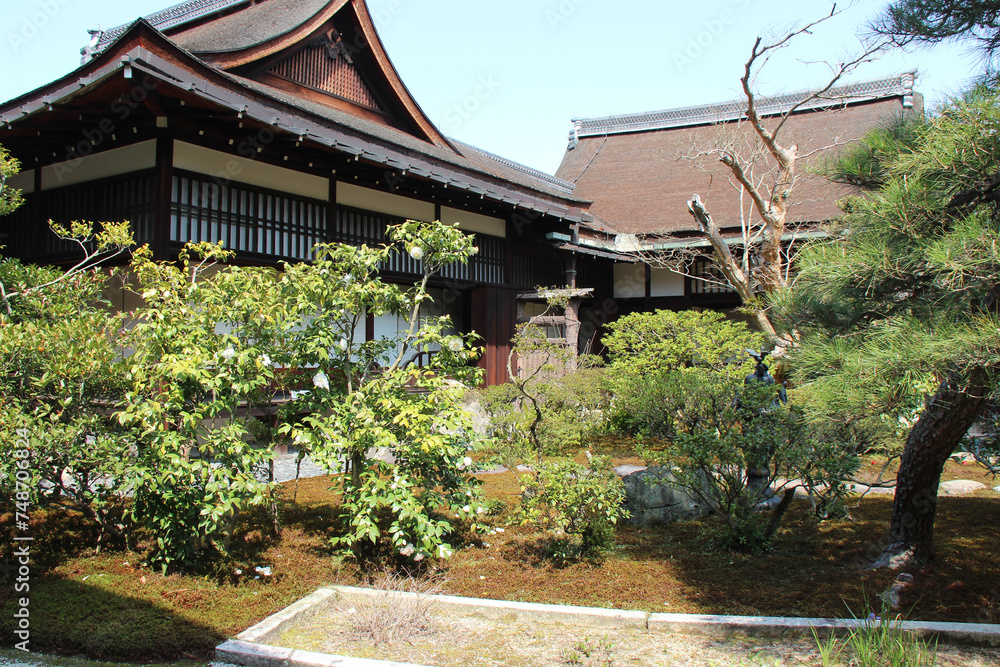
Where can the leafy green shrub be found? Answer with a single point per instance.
(583, 502)
(732, 445)
(571, 407)
(409, 508)
(59, 341)
(646, 348)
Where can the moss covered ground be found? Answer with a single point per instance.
(108, 606)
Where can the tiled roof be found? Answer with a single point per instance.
(559, 184)
(640, 181)
(248, 27)
(170, 17)
(895, 86)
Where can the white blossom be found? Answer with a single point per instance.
(321, 381)
(343, 343)
(348, 279)
(408, 550)
(455, 344)
(417, 253)
(266, 360)
(228, 353)
(467, 462)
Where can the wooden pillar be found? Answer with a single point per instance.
(571, 272)
(164, 191)
(39, 228)
(331, 212)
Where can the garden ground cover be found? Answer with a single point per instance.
(107, 606)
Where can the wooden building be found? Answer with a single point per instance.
(272, 125)
(640, 170)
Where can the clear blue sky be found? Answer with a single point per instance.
(508, 76)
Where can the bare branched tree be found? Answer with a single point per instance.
(762, 166)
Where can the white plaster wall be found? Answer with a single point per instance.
(23, 181)
(474, 222)
(228, 167)
(100, 165)
(664, 282)
(356, 196)
(630, 280)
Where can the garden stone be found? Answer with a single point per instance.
(626, 470)
(652, 497)
(959, 487)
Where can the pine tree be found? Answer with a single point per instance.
(909, 290)
(932, 21)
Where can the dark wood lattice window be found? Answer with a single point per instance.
(486, 266)
(128, 197)
(246, 219)
(707, 278)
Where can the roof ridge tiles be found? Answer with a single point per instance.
(702, 114)
(170, 17)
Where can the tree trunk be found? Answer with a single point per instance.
(728, 264)
(944, 422)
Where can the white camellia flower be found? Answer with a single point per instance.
(408, 550)
(228, 353)
(467, 462)
(321, 381)
(455, 344)
(348, 279)
(343, 343)
(266, 360)
(417, 253)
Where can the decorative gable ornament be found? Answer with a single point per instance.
(325, 64)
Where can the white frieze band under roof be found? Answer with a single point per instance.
(899, 85)
(170, 17)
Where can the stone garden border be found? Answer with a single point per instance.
(252, 648)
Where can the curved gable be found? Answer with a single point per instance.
(326, 51)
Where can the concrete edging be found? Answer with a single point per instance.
(249, 648)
